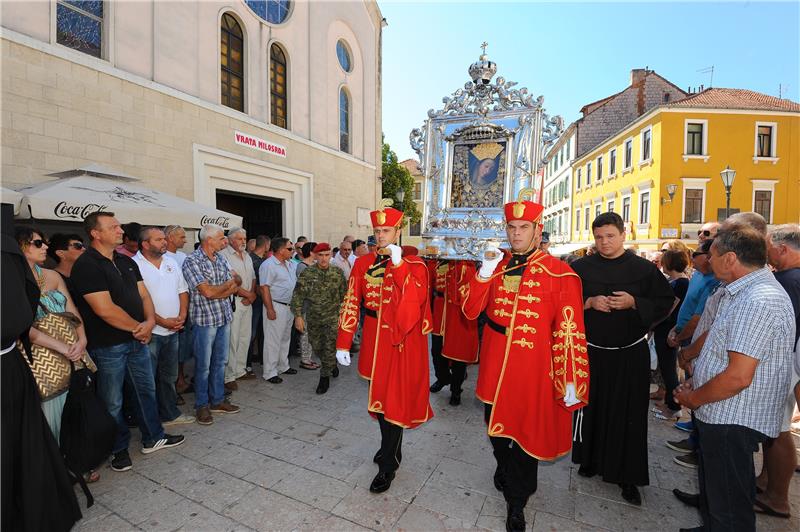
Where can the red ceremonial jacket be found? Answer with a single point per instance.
(448, 279)
(525, 369)
(394, 345)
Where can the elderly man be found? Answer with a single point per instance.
(211, 283)
(780, 458)
(342, 258)
(277, 277)
(740, 378)
(164, 281)
(241, 263)
(119, 317)
(359, 248)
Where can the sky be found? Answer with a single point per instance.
(576, 53)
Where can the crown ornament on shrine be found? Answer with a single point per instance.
(487, 150)
(482, 71)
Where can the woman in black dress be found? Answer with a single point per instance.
(37, 494)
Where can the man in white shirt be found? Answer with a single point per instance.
(163, 278)
(277, 277)
(342, 260)
(241, 263)
(176, 239)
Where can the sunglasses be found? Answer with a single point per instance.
(698, 253)
(76, 245)
(704, 233)
(38, 243)
(290, 249)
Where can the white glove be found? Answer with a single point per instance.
(343, 357)
(490, 265)
(397, 253)
(569, 395)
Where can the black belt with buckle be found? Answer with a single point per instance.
(497, 327)
(280, 303)
(371, 313)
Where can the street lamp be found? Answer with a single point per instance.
(728, 176)
(671, 189)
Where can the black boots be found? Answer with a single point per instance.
(381, 482)
(515, 520)
(438, 385)
(322, 387)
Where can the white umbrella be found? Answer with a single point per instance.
(11, 196)
(73, 198)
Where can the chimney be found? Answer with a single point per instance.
(637, 75)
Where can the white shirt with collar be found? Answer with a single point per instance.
(164, 283)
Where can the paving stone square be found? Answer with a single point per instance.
(293, 460)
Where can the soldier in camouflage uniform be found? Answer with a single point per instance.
(324, 287)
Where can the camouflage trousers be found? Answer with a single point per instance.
(323, 340)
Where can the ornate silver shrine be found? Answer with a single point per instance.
(477, 153)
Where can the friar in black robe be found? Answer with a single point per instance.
(610, 434)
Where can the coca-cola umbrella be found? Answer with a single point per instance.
(73, 198)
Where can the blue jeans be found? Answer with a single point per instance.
(164, 357)
(210, 356)
(185, 340)
(114, 364)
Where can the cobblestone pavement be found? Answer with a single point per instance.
(293, 460)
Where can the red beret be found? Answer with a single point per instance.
(321, 246)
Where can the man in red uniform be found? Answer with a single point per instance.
(454, 342)
(394, 346)
(534, 370)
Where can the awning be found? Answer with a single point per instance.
(11, 196)
(565, 249)
(73, 198)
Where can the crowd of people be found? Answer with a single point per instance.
(567, 348)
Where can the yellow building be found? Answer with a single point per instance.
(661, 173)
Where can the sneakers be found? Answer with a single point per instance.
(121, 461)
(682, 446)
(225, 408)
(164, 443)
(204, 416)
(685, 426)
(180, 420)
(687, 460)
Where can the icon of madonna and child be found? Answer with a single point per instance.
(478, 174)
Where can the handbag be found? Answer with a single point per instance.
(51, 369)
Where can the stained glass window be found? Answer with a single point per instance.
(344, 120)
(79, 25)
(272, 11)
(232, 63)
(343, 54)
(277, 86)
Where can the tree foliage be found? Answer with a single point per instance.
(394, 178)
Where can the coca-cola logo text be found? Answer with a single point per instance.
(77, 212)
(222, 221)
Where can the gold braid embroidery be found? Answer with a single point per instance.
(348, 317)
(568, 332)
